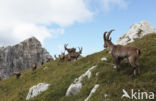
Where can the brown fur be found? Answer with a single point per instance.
(75, 55)
(119, 52)
(34, 66)
(69, 50)
(68, 57)
(49, 59)
(62, 56)
(18, 74)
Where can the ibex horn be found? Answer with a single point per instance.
(109, 34)
(104, 35)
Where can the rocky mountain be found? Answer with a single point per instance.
(21, 56)
(136, 31)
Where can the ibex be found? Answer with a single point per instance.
(34, 66)
(62, 56)
(75, 55)
(68, 57)
(18, 74)
(120, 52)
(49, 59)
(42, 63)
(69, 50)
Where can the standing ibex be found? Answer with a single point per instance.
(18, 74)
(75, 55)
(120, 52)
(34, 66)
(69, 50)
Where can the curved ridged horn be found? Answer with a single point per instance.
(104, 35)
(109, 34)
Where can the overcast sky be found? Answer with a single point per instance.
(76, 22)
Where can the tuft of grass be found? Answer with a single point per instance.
(61, 75)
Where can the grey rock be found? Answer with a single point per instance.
(76, 86)
(37, 89)
(21, 56)
(92, 92)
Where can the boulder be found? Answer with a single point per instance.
(103, 59)
(37, 89)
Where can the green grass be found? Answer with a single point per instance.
(60, 76)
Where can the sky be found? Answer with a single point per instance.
(80, 23)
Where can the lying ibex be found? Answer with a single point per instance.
(75, 55)
(120, 52)
(18, 74)
(69, 50)
(68, 57)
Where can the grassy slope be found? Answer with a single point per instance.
(62, 75)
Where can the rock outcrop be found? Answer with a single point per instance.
(37, 89)
(103, 59)
(92, 91)
(76, 86)
(21, 56)
(136, 31)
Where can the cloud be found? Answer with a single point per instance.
(20, 19)
(57, 32)
(108, 4)
(21, 31)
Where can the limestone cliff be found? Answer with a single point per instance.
(21, 56)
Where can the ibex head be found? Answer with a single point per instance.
(107, 39)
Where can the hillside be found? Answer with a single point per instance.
(111, 83)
